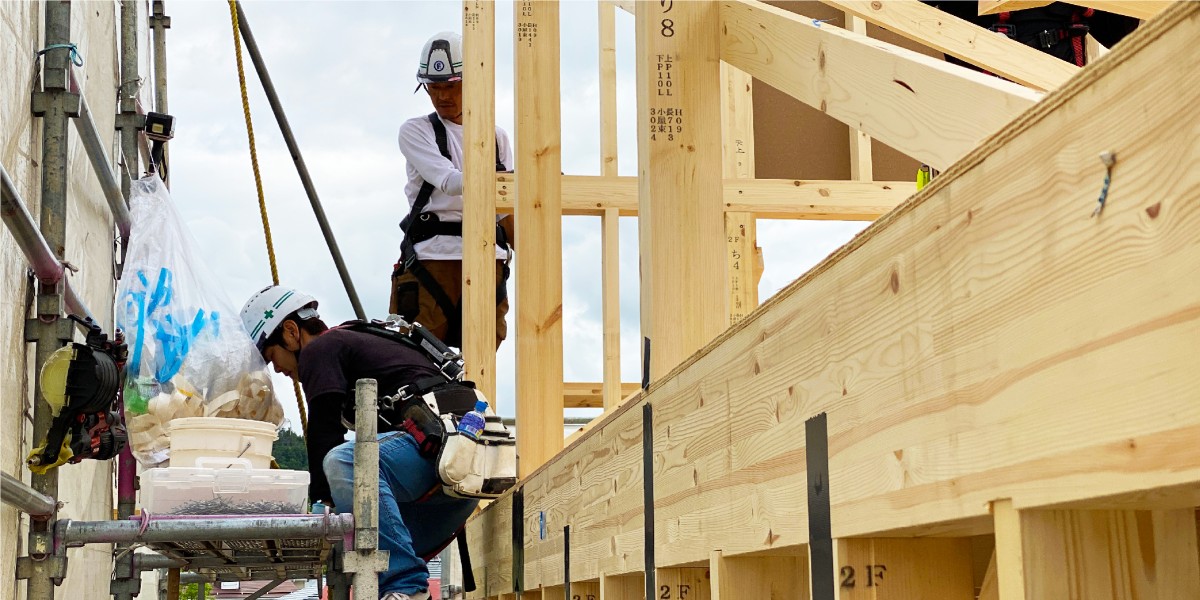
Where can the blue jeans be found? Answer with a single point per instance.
(407, 529)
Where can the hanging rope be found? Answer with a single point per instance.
(262, 202)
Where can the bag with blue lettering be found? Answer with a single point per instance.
(188, 353)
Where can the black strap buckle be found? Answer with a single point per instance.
(1007, 29)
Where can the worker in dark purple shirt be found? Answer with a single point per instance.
(415, 518)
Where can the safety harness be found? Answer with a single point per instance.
(420, 225)
(1047, 38)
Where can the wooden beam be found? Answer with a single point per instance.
(766, 198)
(861, 163)
(977, 343)
(479, 216)
(610, 220)
(539, 355)
(628, 6)
(680, 213)
(931, 110)
(741, 231)
(964, 40)
(878, 568)
(577, 394)
(1141, 9)
(991, 7)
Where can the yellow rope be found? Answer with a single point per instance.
(262, 202)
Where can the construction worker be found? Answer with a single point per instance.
(427, 281)
(1057, 29)
(416, 519)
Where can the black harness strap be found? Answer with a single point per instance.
(419, 226)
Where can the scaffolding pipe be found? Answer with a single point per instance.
(366, 488)
(148, 562)
(227, 528)
(160, 23)
(86, 126)
(260, 67)
(55, 104)
(15, 493)
(46, 267)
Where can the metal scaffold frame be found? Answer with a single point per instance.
(273, 547)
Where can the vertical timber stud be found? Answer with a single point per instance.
(539, 229)
(773, 577)
(901, 568)
(1100, 554)
(688, 583)
(861, 168)
(680, 213)
(610, 222)
(479, 195)
(737, 136)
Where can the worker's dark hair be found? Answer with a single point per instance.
(312, 325)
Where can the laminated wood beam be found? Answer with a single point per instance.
(1141, 9)
(982, 341)
(680, 206)
(610, 219)
(741, 230)
(591, 395)
(479, 215)
(931, 110)
(766, 198)
(539, 355)
(862, 167)
(961, 39)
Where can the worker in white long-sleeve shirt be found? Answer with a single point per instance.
(427, 281)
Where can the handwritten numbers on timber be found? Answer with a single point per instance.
(667, 122)
(579, 597)
(874, 575)
(527, 30)
(681, 592)
(471, 18)
(668, 24)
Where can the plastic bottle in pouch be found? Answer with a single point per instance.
(458, 457)
(472, 423)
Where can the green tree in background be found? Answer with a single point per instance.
(289, 451)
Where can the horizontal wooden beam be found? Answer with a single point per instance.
(767, 198)
(926, 108)
(1141, 9)
(991, 7)
(590, 395)
(982, 341)
(947, 33)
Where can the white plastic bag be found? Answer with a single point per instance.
(188, 353)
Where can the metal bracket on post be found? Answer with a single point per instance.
(41, 102)
(57, 565)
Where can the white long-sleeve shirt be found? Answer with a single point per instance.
(426, 163)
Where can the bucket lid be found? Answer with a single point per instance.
(223, 424)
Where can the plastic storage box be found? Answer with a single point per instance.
(236, 489)
(194, 438)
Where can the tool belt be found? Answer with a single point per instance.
(467, 467)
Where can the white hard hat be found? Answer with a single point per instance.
(441, 59)
(265, 311)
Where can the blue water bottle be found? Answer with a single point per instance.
(472, 423)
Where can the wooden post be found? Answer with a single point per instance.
(737, 126)
(1101, 554)
(899, 568)
(479, 195)
(610, 221)
(680, 216)
(539, 232)
(861, 168)
(689, 583)
(774, 577)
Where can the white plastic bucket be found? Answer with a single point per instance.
(193, 438)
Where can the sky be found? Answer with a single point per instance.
(344, 72)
